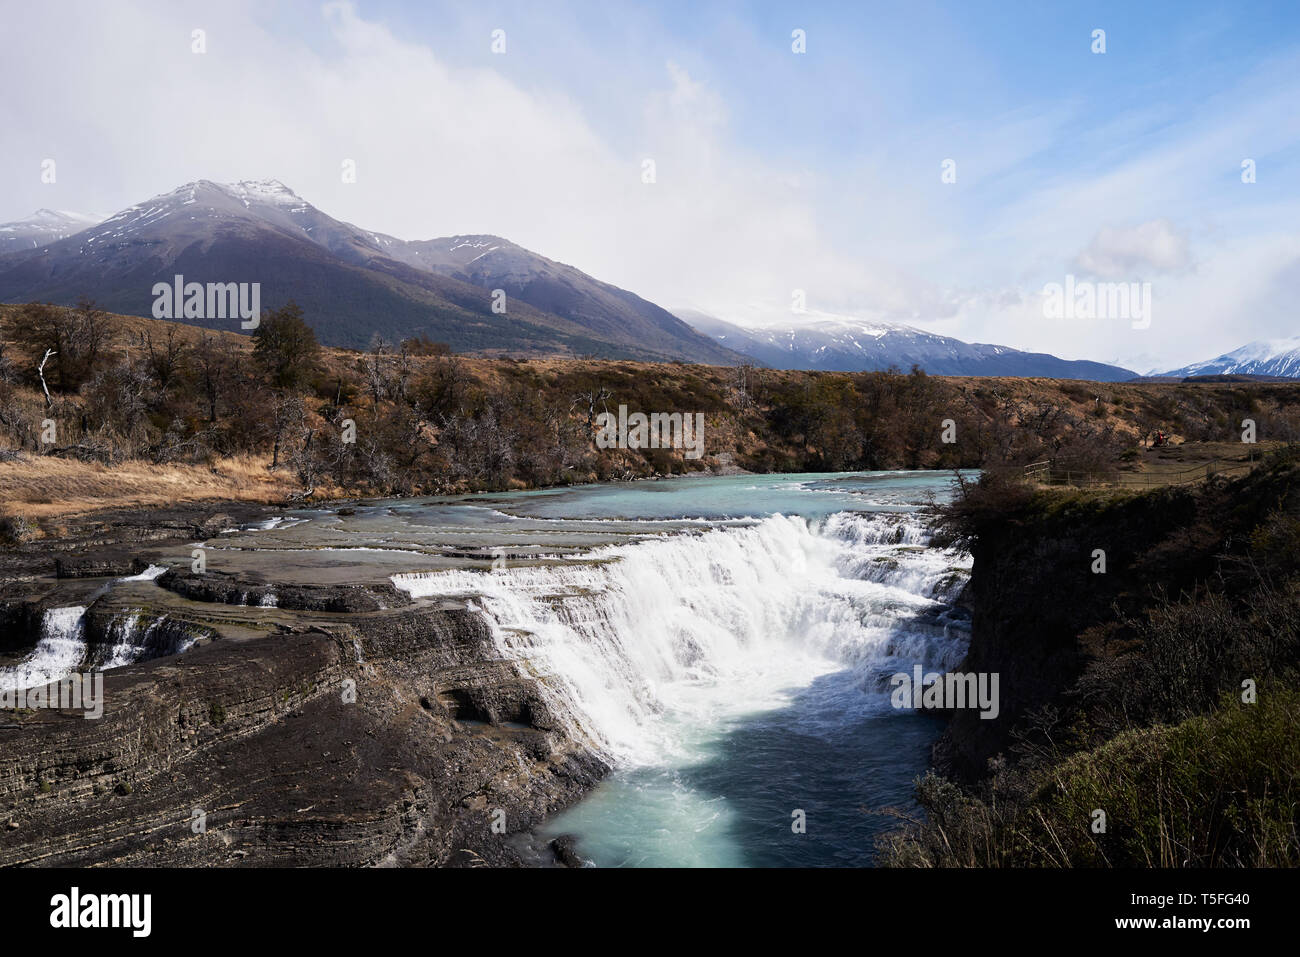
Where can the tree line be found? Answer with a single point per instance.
(410, 418)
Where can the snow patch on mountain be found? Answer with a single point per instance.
(265, 191)
(43, 227)
(433, 286)
(1268, 357)
(838, 343)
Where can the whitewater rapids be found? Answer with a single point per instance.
(634, 642)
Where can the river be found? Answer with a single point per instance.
(733, 664)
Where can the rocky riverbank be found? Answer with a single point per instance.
(332, 723)
(1149, 657)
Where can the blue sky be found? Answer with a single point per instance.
(775, 171)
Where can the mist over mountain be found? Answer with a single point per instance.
(851, 345)
(42, 227)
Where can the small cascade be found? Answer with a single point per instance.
(133, 639)
(149, 574)
(60, 651)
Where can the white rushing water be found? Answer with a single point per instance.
(62, 647)
(127, 641)
(59, 652)
(132, 641)
(644, 648)
(149, 574)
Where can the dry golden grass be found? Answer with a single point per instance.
(39, 487)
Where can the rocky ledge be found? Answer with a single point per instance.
(345, 726)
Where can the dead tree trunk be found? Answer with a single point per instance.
(40, 371)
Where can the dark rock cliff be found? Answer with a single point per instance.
(383, 740)
(1039, 612)
(362, 729)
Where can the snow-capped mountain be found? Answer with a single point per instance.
(354, 284)
(351, 283)
(846, 345)
(203, 210)
(1268, 357)
(606, 310)
(42, 227)
(1144, 363)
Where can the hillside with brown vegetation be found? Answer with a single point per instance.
(148, 412)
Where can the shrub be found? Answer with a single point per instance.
(286, 347)
(15, 530)
(1214, 791)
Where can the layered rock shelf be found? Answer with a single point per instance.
(341, 724)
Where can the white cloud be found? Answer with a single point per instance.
(481, 145)
(1135, 252)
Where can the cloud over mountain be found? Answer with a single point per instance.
(1136, 252)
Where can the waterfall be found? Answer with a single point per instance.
(130, 642)
(705, 624)
(59, 652)
(149, 574)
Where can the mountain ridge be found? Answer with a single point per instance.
(355, 284)
(352, 283)
(844, 345)
(42, 227)
(1263, 357)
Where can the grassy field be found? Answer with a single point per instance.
(1182, 463)
(41, 487)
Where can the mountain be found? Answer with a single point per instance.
(42, 227)
(852, 345)
(1265, 357)
(1145, 363)
(352, 284)
(608, 311)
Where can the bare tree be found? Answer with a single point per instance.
(590, 398)
(745, 384)
(287, 416)
(212, 365)
(40, 371)
(165, 356)
(76, 339)
(376, 372)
